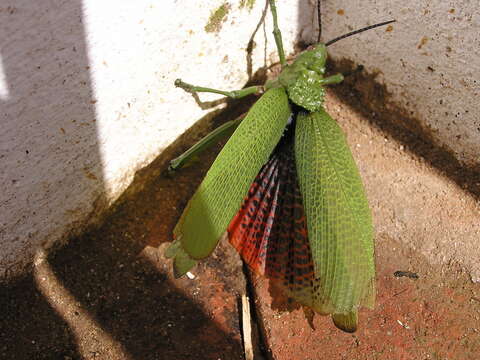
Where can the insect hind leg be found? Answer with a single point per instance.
(235, 94)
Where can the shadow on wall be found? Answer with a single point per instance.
(364, 92)
(115, 293)
(49, 148)
(49, 156)
(97, 292)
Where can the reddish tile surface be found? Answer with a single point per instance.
(216, 289)
(434, 317)
(119, 279)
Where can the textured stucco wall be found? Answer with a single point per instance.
(429, 62)
(87, 98)
(86, 92)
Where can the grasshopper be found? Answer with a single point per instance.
(286, 189)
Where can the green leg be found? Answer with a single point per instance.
(334, 79)
(205, 143)
(236, 94)
(277, 34)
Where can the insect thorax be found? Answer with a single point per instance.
(304, 78)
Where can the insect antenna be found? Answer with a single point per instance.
(319, 17)
(358, 32)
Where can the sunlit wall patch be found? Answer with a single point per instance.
(4, 91)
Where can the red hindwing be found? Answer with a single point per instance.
(270, 230)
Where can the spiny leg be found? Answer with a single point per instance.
(219, 132)
(334, 79)
(235, 94)
(204, 143)
(277, 34)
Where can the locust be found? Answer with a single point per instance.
(287, 192)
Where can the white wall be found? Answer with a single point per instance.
(86, 94)
(429, 62)
(87, 98)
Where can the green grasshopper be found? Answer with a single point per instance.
(305, 220)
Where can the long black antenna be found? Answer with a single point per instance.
(319, 17)
(358, 31)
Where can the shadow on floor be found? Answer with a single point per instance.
(29, 327)
(127, 291)
(362, 92)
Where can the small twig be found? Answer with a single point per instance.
(400, 292)
(247, 328)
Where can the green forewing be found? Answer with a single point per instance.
(220, 194)
(182, 262)
(339, 222)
